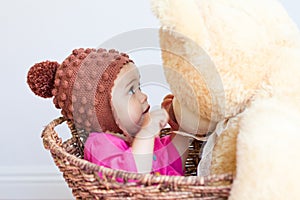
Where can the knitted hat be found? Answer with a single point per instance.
(81, 86)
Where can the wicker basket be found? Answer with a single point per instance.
(82, 176)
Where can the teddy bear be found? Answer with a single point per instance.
(233, 68)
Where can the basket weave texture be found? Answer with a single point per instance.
(82, 176)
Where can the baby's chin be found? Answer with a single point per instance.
(135, 129)
(145, 118)
(138, 125)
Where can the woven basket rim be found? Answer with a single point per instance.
(53, 142)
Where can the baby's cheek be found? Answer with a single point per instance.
(133, 116)
(134, 110)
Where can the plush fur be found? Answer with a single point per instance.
(239, 61)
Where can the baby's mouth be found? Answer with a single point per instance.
(146, 110)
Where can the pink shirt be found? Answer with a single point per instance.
(111, 151)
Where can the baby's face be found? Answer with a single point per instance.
(129, 104)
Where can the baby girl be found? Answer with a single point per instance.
(99, 91)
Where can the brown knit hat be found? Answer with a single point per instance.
(81, 86)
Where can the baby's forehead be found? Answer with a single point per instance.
(129, 71)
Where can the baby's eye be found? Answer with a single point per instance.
(131, 91)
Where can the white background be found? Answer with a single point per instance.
(33, 31)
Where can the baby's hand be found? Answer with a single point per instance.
(155, 121)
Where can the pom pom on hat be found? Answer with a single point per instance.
(40, 78)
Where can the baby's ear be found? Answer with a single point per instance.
(40, 78)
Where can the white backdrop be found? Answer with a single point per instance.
(33, 31)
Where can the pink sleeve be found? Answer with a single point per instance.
(109, 151)
(166, 159)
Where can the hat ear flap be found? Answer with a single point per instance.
(40, 78)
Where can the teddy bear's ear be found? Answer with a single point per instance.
(40, 78)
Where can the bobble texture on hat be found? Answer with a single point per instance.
(81, 86)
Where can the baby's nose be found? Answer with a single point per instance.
(143, 97)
